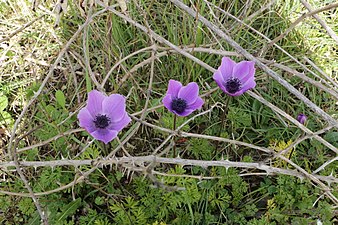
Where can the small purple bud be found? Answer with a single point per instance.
(302, 118)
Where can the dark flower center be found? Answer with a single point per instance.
(179, 105)
(101, 121)
(233, 85)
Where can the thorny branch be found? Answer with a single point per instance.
(132, 162)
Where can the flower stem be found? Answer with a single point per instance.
(174, 128)
(223, 122)
(299, 137)
(105, 148)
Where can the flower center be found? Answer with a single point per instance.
(179, 105)
(101, 121)
(233, 85)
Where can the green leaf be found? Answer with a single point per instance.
(26, 206)
(200, 148)
(5, 118)
(3, 102)
(10, 53)
(35, 219)
(199, 34)
(239, 117)
(99, 200)
(332, 137)
(60, 98)
(69, 209)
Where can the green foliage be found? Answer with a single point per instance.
(200, 149)
(167, 121)
(66, 211)
(54, 121)
(221, 200)
(92, 217)
(26, 206)
(3, 103)
(292, 201)
(239, 117)
(128, 212)
(212, 195)
(205, 200)
(49, 179)
(5, 117)
(60, 98)
(332, 137)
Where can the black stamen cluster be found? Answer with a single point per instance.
(179, 105)
(233, 85)
(101, 121)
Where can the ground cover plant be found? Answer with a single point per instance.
(168, 112)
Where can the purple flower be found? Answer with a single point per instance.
(182, 100)
(235, 78)
(104, 116)
(301, 118)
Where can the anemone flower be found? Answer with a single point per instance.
(104, 116)
(182, 100)
(302, 118)
(235, 78)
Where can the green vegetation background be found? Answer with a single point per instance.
(113, 195)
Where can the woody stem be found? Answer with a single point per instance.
(223, 122)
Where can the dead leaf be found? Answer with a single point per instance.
(59, 10)
(123, 5)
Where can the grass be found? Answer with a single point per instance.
(150, 192)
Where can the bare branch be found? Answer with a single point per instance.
(130, 162)
(328, 29)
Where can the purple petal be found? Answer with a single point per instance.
(247, 79)
(218, 77)
(244, 70)
(227, 67)
(118, 126)
(238, 93)
(185, 112)
(95, 99)
(220, 82)
(104, 135)
(251, 73)
(197, 104)
(174, 87)
(167, 102)
(114, 107)
(189, 92)
(249, 85)
(86, 120)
